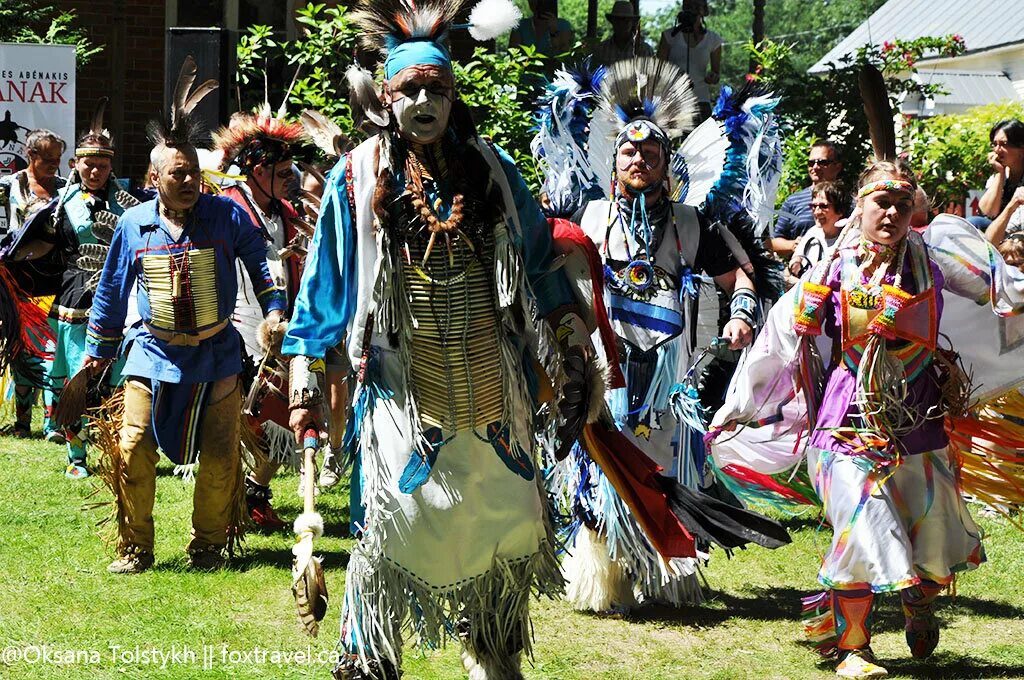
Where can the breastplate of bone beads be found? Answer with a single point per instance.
(456, 355)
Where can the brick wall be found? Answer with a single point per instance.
(129, 70)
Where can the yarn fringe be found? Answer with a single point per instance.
(820, 623)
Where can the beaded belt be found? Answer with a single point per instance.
(186, 339)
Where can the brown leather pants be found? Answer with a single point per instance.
(216, 481)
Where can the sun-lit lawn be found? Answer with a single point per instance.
(56, 598)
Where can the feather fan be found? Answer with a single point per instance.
(324, 133)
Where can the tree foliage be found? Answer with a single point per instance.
(316, 60)
(28, 21)
(830, 105)
(498, 88)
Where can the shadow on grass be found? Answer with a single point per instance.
(950, 665)
(942, 666)
(766, 604)
(783, 604)
(282, 558)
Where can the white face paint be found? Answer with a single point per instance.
(422, 116)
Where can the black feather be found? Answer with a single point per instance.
(719, 522)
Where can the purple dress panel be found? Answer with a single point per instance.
(837, 408)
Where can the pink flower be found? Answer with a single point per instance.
(751, 77)
(888, 46)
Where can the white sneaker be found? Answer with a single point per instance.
(860, 664)
(330, 475)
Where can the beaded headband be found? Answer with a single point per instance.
(886, 185)
(94, 151)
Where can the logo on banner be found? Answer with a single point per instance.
(12, 148)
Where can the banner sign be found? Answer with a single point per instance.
(37, 90)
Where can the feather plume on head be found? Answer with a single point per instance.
(641, 98)
(181, 127)
(97, 140)
(411, 32)
(257, 139)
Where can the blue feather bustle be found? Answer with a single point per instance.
(563, 126)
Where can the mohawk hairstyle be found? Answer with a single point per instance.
(181, 127)
(252, 139)
(646, 87)
(388, 23)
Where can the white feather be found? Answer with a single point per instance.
(703, 151)
(364, 94)
(492, 18)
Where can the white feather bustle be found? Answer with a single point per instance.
(492, 18)
(595, 582)
(311, 522)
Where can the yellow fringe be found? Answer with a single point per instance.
(990, 447)
(105, 428)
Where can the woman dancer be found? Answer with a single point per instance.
(878, 450)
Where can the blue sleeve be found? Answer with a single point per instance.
(251, 249)
(536, 245)
(784, 227)
(326, 301)
(110, 303)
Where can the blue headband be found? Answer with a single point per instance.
(424, 52)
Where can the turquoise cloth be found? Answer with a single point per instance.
(416, 53)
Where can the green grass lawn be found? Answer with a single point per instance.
(55, 592)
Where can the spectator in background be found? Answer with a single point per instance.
(26, 191)
(922, 214)
(1010, 221)
(625, 41)
(1007, 161)
(693, 48)
(544, 31)
(795, 218)
(1012, 250)
(830, 203)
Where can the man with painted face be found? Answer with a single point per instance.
(651, 249)
(181, 390)
(75, 238)
(436, 260)
(260, 146)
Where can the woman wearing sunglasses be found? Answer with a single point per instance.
(829, 204)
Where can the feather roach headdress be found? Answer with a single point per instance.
(181, 127)
(97, 140)
(259, 138)
(641, 98)
(414, 32)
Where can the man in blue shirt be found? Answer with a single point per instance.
(182, 393)
(795, 218)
